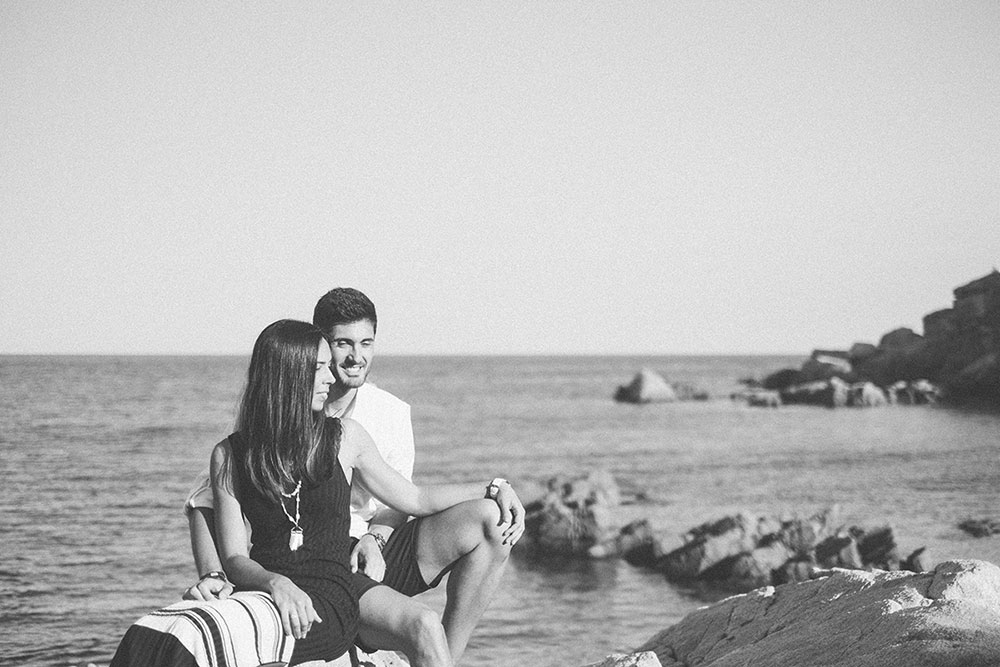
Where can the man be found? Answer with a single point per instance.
(471, 541)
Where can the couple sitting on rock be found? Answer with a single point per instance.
(340, 567)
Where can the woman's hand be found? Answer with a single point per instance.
(294, 606)
(511, 512)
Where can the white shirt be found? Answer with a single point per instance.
(387, 420)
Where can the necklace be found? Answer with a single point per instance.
(295, 536)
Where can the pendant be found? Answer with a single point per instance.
(295, 539)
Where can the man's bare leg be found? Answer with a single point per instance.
(390, 620)
(467, 539)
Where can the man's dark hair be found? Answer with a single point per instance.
(343, 305)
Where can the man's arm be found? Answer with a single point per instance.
(399, 454)
(201, 525)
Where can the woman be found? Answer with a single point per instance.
(288, 469)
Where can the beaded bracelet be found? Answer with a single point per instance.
(379, 540)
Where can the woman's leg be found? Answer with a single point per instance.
(390, 620)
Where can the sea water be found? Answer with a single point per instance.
(97, 454)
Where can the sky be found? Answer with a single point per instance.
(500, 178)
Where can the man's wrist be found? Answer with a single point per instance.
(493, 488)
(379, 539)
(215, 574)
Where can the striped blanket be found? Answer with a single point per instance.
(243, 630)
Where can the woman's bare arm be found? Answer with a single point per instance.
(294, 605)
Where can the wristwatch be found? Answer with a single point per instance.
(493, 488)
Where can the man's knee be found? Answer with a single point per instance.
(488, 519)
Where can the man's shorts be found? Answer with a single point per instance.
(402, 573)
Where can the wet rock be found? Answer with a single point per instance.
(838, 551)
(739, 553)
(848, 618)
(635, 543)
(754, 569)
(786, 377)
(900, 338)
(861, 351)
(650, 387)
(878, 549)
(866, 395)
(980, 527)
(826, 364)
(573, 515)
(646, 387)
(916, 392)
(918, 561)
(830, 393)
(707, 545)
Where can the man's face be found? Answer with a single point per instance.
(353, 346)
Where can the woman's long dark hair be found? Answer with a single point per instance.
(286, 441)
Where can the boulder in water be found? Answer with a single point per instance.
(981, 527)
(574, 515)
(646, 387)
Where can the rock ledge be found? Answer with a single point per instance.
(949, 617)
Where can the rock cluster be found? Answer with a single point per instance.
(740, 553)
(579, 517)
(959, 352)
(980, 527)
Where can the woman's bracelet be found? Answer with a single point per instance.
(379, 540)
(215, 574)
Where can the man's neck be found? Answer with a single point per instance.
(337, 406)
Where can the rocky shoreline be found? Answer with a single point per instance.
(810, 591)
(956, 359)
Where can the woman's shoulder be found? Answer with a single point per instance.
(353, 437)
(223, 448)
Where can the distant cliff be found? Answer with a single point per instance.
(959, 351)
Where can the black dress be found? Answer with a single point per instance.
(321, 566)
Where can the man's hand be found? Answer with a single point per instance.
(367, 557)
(209, 589)
(511, 512)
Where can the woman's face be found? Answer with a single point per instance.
(324, 376)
